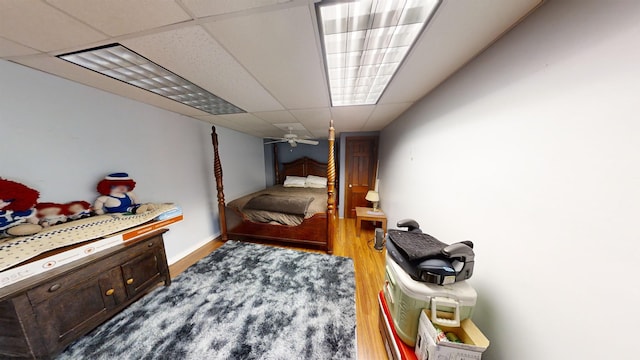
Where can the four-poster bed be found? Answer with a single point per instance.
(316, 229)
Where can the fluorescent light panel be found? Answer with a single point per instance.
(120, 63)
(365, 42)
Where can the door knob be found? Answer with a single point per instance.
(350, 185)
(129, 281)
(110, 292)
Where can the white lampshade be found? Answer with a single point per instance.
(372, 196)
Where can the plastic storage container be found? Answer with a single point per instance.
(406, 298)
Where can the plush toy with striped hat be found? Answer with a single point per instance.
(117, 196)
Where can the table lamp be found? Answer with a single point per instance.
(374, 198)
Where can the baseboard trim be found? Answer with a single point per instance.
(181, 265)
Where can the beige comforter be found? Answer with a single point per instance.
(318, 205)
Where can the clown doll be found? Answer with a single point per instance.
(117, 196)
(17, 213)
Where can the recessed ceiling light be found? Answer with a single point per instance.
(120, 63)
(364, 43)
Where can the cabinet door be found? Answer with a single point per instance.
(142, 272)
(76, 310)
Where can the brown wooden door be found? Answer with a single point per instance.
(361, 160)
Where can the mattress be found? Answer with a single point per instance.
(317, 205)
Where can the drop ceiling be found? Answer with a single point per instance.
(264, 56)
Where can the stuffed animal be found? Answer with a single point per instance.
(77, 210)
(49, 213)
(117, 196)
(17, 213)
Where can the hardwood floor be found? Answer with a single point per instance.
(369, 266)
(369, 269)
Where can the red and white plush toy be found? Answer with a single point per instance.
(118, 197)
(17, 212)
(50, 214)
(77, 210)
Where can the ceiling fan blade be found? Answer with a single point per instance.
(308, 142)
(273, 142)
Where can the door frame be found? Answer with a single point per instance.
(372, 180)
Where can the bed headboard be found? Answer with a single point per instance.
(302, 167)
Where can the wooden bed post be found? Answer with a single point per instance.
(276, 165)
(217, 170)
(331, 186)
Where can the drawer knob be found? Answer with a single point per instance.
(54, 287)
(150, 244)
(110, 292)
(129, 281)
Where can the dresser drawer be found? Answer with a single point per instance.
(64, 282)
(71, 279)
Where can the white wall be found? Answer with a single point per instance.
(61, 138)
(533, 152)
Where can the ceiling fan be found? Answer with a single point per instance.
(292, 139)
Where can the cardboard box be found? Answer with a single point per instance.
(432, 344)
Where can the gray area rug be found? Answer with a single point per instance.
(243, 301)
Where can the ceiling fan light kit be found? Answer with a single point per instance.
(292, 139)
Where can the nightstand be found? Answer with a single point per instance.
(366, 213)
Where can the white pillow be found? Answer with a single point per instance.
(316, 181)
(294, 181)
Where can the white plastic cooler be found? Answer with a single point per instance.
(406, 298)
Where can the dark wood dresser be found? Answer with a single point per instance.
(41, 315)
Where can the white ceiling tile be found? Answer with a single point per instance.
(279, 48)
(265, 57)
(191, 53)
(314, 120)
(45, 28)
(119, 17)
(275, 117)
(456, 34)
(383, 114)
(9, 48)
(295, 127)
(351, 118)
(249, 124)
(202, 8)
(79, 74)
